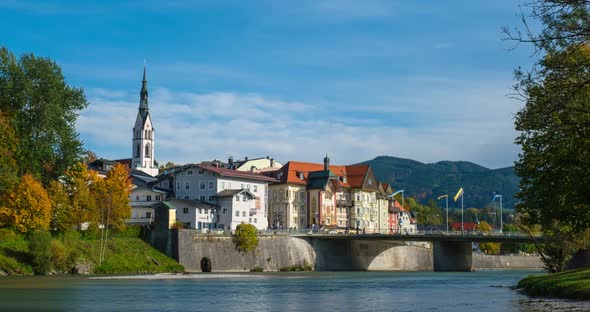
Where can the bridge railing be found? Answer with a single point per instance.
(331, 232)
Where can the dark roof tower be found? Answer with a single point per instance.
(143, 100)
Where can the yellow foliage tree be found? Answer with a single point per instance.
(27, 207)
(112, 196)
(80, 183)
(62, 216)
(487, 248)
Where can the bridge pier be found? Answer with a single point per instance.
(452, 256)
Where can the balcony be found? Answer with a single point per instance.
(139, 220)
(142, 203)
(344, 203)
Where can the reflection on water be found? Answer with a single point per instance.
(313, 291)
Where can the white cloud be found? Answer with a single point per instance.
(192, 127)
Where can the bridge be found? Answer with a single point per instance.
(451, 251)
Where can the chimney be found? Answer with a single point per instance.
(245, 158)
(272, 162)
(230, 161)
(267, 157)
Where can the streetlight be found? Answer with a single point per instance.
(446, 196)
(494, 220)
(493, 199)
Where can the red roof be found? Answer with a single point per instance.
(235, 173)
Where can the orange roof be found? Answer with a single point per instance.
(356, 174)
(291, 170)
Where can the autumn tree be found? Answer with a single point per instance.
(27, 207)
(112, 202)
(487, 248)
(43, 109)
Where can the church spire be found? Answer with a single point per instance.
(143, 102)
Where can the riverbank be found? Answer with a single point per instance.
(125, 254)
(574, 284)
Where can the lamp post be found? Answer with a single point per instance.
(446, 196)
(493, 199)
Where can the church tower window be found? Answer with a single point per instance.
(147, 150)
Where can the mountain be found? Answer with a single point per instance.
(426, 181)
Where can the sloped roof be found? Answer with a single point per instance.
(356, 174)
(234, 173)
(175, 203)
(230, 193)
(289, 173)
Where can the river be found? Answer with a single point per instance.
(309, 291)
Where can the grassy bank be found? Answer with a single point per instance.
(125, 254)
(574, 284)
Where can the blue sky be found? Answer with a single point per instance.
(427, 80)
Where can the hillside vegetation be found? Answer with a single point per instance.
(428, 181)
(573, 284)
(125, 254)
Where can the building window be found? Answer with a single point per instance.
(255, 188)
(210, 198)
(248, 187)
(137, 151)
(237, 213)
(201, 171)
(137, 197)
(242, 187)
(178, 185)
(255, 221)
(186, 197)
(250, 220)
(187, 224)
(224, 210)
(148, 197)
(158, 198)
(202, 198)
(200, 211)
(165, 184)
(187, 185)
(189, 172)
(243, 198)
(243, 214)
(370, 181)
(148, 215)
(202, 185)
(211, 185)
(237, 198)
(147, 150)
(222, 186)
(185, 210)
(229, 185)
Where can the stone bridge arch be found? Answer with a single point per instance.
(348, 254)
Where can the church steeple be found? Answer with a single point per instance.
(143, 99)
(144, 135)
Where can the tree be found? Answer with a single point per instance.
(487, 248)
(80, 185)
(245, 238)
(28, 207)
(554, 129)
(62, 215)
(42, 109)
(8, 145)
(112, 196)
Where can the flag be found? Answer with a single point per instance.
(495, 196)
(459, 193)
(442, 196)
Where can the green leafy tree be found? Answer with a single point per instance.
(42, 109)
(487, 248)
(40, 248)
(245, 237)
(554, 129)
(8, 145)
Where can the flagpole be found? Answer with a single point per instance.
(500, 213)
(462, 229)
(447, 198)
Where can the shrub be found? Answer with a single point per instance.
(59, 256)
(257, 269)
(40, 247)
(131, 231)
(246, 237)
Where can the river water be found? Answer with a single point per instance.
(310, 291)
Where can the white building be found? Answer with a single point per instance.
(143, 157)
(240, 196)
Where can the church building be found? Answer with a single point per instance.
(143, 158)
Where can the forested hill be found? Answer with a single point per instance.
(425, 181)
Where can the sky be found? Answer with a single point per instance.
(427, 80)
